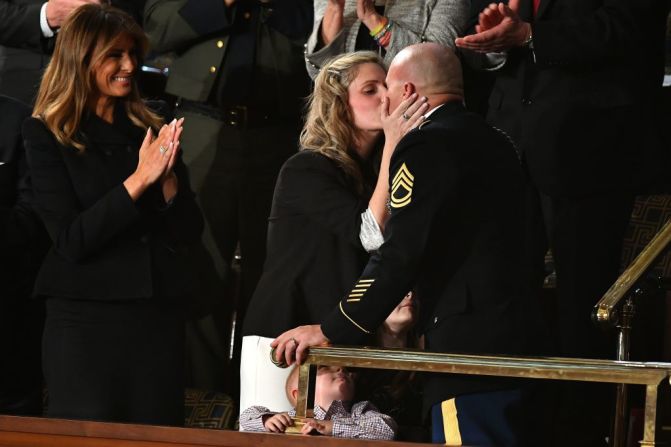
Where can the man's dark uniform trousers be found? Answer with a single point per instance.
(240, 79)
(581, 105)
(455, 235)
(23, 243)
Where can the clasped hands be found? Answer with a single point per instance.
(156, 159)
(278, 423)
(499, 29)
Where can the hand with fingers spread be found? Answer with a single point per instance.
(292, 346)
(322, 427)
(154, 157)
(409, 114)
(277, 423)
(332, 22)
(500, 28)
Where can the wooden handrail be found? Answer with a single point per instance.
(42, 432)
(604, 311)
(649, 374)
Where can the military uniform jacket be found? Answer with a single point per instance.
(455, 233)
(200, 31)
(105, 246)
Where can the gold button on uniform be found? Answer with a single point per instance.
(247, 15)
(213, 69)
(220, 43)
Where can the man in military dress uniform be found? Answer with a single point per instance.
(455, 234)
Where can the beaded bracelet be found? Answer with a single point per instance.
(384, 37)
(375, 31)
(384, 40)
(382, 32)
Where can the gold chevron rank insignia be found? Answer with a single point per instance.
(359, 290)
(401, 187)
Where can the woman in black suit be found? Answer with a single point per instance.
(117, 205)
(330, 201)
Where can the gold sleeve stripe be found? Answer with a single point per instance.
(359, 290)
(366, 280)
(352, 321)
(355, 294)
(354, 300)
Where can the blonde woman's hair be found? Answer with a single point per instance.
(68, 82)
(329, 127)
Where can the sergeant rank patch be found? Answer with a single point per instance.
(401, 187)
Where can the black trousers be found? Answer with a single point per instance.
(115, 361)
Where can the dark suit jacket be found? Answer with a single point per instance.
(23, 242)
(313, 249)
(21, 48)
(455, 233)
(582, 105)
(105, 246)
(22, 237)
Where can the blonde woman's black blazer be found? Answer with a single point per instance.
(105, 246)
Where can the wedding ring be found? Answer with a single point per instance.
(278, 363)
(162, 149)
(295, 341)
(405, 117)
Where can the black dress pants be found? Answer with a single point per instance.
(115, 361)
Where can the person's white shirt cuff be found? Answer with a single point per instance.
(370, 233)
(44, 24)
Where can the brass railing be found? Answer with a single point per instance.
(605, 309)
(651, 375)
(617, 308)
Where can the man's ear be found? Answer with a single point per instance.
(408, 89)
(294, 396)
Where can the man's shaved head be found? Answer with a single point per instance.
(429, 69)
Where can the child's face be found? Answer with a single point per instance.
(333, 383)
(403, 317)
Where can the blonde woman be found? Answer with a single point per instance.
(329, 206)
(114, 197)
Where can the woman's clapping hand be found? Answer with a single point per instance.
(157, 157)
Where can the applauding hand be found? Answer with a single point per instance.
(499, 29)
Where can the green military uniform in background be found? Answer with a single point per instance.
(240, 80)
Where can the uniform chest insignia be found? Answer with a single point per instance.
(401, 187)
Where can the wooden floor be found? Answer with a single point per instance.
(42, 432)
